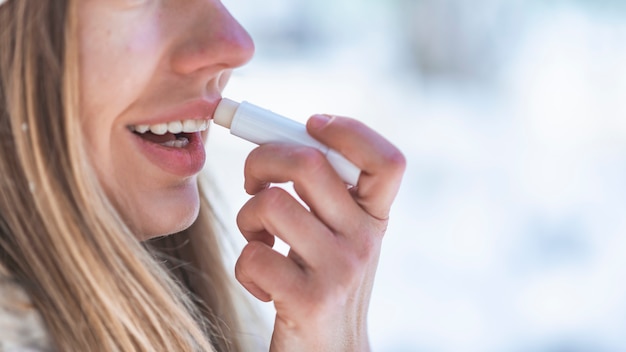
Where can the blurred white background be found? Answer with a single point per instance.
(509, 231)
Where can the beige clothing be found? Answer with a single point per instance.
(21, 326)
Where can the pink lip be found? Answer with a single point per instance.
(182, 162)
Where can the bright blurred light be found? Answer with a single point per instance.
(508, 233)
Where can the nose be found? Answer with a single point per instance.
(210, 40)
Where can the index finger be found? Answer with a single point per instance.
(382, 164)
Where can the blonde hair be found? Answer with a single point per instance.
(96, 286)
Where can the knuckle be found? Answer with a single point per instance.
(368, 239)
(247, 216)
(348, 267)
(245, 260)
(348, 123)
(255, 154)
(251, 160)
(396, 161)
(368, 249)
(273, 199)
(381, 227)
(239, 271)
(248, 252)
(242, 216)
(309, 160)
(356, 259)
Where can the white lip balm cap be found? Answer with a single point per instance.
(225, 112)
(262, 126)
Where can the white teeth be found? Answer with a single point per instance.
(159, 129)
(174, 127)
(179, 143)
(142, 128)
(190, 126)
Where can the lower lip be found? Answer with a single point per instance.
(183, 162)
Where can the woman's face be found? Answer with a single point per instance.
(152, 73)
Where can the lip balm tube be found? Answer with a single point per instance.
(261, 126)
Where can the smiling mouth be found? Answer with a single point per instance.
(176, 134)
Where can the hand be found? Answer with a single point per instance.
(321, 289)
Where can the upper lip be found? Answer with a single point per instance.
(197, 109)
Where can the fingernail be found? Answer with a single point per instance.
(319, 121)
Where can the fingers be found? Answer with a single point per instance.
(382, 164)
(267, 274)
(318, 184)
(321, 289)
(274, 212)
(314, 180)
(316, 253)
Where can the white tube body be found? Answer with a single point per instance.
(262, 126)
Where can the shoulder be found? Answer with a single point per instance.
(21, 326)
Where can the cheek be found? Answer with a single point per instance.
(118, 62)
(119, 56)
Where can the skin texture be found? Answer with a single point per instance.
(321, 290)
(139, 57)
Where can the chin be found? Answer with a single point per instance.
(168, 215)
(163, 226)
